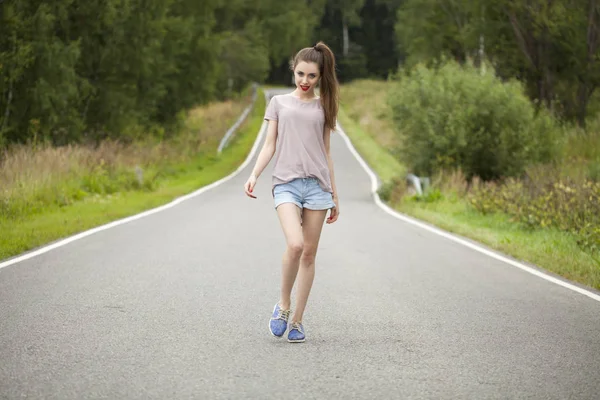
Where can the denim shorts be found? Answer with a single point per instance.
(303, 192)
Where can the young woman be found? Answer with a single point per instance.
(303, 184)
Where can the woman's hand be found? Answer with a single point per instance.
(249, 186)
(334, 213)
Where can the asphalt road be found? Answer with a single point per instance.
(175, 305)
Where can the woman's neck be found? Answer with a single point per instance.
(304, 95)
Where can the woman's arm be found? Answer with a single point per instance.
(335, 212)
(263, 159)
(267, 151)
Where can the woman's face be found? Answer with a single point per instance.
(307, 76)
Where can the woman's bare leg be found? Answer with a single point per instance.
(289, 217)
(312, 224)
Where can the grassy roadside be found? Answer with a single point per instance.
(555, 251)
(378, 158)
(58, 221)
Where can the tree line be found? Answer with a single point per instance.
(73, 70)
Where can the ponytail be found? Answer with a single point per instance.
(322, 55)
(329, 86)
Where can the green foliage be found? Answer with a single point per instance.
(76, 71)
(428, 29)
(353, 66)
(244, 56)
(547, 202)
(456, 117)
(34, 179)
(385, 190)
(87, 210)
(594, 170)
(552, 47)
(430, 196)
(81, 71)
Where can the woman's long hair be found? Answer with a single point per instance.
(322, 55)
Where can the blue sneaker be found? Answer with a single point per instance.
(296, 333)
(278, 321)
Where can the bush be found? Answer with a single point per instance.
(547, 200)
(594, 170)
(454, 117)
(38, 176)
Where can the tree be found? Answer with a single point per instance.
(552, 46)
(376, 37)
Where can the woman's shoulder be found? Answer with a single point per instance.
(284, 98)
(279, 97)
(275, 101)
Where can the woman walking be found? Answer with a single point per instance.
(303, 183)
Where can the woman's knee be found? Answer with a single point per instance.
(295, 248)
(309, 253)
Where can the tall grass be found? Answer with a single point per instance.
(35, 177)
(365, 102)
(548, 216)
(581, 156)
(171, 176)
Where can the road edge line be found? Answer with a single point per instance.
(451, 236)
(173, 203)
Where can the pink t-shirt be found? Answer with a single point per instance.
(300, 148)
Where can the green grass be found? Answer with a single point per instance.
(551, 249)
(555, 251)
(375, 155)
(56, 222)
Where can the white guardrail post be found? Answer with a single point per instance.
(421, 184)
(241, 119)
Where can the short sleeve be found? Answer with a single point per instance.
(272, 112)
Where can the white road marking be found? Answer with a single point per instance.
(173, 203)
(376, 198)
(451, 236)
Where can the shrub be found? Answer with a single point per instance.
(35, 177)
(594, 170)
(546, 200)
(455, 117)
